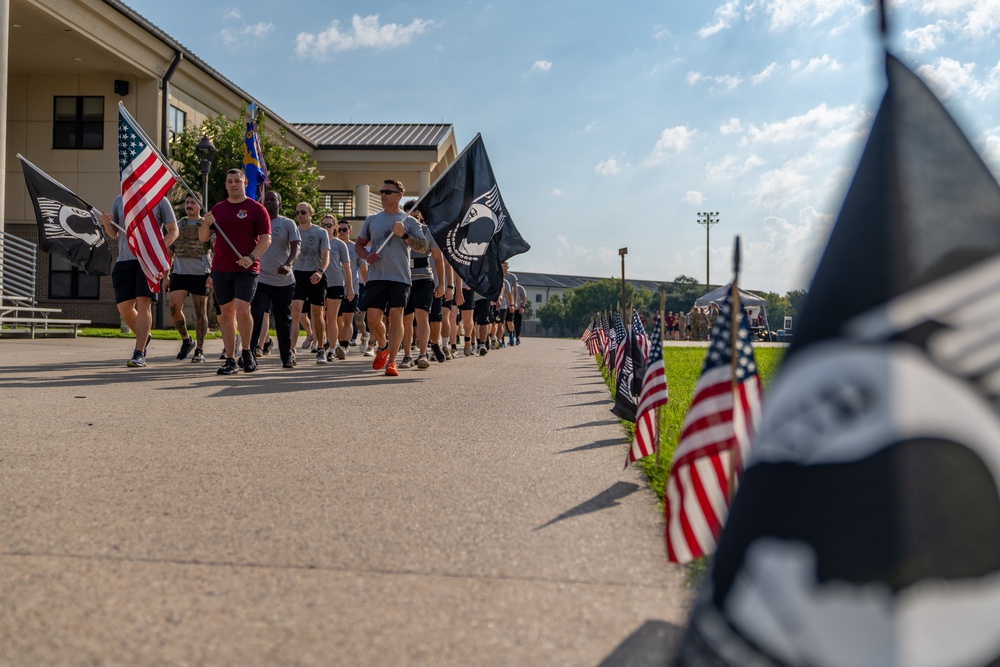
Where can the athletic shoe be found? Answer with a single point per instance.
(340, 351)
(517, 341)
(138, 360)
(407, 362)
(483, 350)
(382, 358)
(228, 368)
(289, 362)
(266, 350)
(249, 363)
(314, 350)
(438, 354)
(186, 346)
(511, 341)
(329, 356)
(468, 349)
(364, 341)
(307, 342)
(321, 357)
(223, 355)
(258, 353)
(369, 352)
(422, 361)
(390, 369)
(198, 358)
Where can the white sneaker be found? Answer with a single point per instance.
(307, 343)
(341, 352)
(321, 357)
(422, 361)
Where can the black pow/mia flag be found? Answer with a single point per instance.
(467, 216)
(866, 530)
(67, 225)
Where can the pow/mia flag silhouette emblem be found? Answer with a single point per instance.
(67, 225)
(469, 221)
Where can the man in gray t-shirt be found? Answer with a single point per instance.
(392, 234)
(132, 293)
(310, 279)
(276, 284)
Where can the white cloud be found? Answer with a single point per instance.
(232, 13)
(830, 124)
(795, 246)
(824, 62)
(730, 167)
(365, 32)
(232, 36)
(541, 66)
(925, 38)
(989, 148)
(694, 198)
(661, 33)
(725, 17)
(784, 14)
(727, 81)
(765, 73)
(947, 76)
(672, 140)
(590, 127)
(778, 188)
(607, 167)
(557, 192)
(732, 126)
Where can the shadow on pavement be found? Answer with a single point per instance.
(600, 422)
(604, 500)
(654, 643)
(582, 405)
(600, 444)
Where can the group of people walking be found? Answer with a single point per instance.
(389, 290)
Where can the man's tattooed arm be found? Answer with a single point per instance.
(416, 244)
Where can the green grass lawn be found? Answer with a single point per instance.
(158, 334)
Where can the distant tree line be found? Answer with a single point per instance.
(569, 313)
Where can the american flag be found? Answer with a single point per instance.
(145, 179)
(585, 336)
(640, 333)
(593, 340)
(605, 339)
(714, 440)
(621, 344)
(653, 395)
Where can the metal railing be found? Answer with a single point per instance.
(18, 262)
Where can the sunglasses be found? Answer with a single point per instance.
(344, 230)
(389, 192)
(302, 213)
(327, 225)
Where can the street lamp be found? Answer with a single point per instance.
(708, 219)
(206, 151)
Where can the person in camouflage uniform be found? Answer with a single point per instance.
(189, 274)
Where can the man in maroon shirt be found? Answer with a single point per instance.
(247, 225)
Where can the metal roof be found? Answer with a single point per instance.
(529, 279)
(394, 136)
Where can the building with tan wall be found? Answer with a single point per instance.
(69, 63)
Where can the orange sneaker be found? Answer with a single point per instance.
(381, 357)
(390, 369)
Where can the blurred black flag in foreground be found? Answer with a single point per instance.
(469, 221)
(866, 530)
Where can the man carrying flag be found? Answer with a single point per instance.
(469, 221)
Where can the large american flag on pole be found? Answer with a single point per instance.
(145, 179)
(653, 395)
(718, 427)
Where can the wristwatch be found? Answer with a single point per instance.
(406, 235)
(252, 258)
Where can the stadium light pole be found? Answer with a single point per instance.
(708, 219)
(622, 252)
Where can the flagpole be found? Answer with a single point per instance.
(659, 408)
(736, 318)
(173, 172)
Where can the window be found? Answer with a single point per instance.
(339, 202)
(538, 298)
(176, 120)
(68, 282)
(78, 123)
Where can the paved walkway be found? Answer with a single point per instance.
(472, 514)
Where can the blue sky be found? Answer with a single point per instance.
(613, 124)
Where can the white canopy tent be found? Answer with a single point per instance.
(748, 301)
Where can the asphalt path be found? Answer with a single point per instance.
(475, 513)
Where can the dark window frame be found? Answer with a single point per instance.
(81, 132)
(75, 276)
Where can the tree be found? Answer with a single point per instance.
(293, 173)
(797, 299)
(681, 293)
(553, 314)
